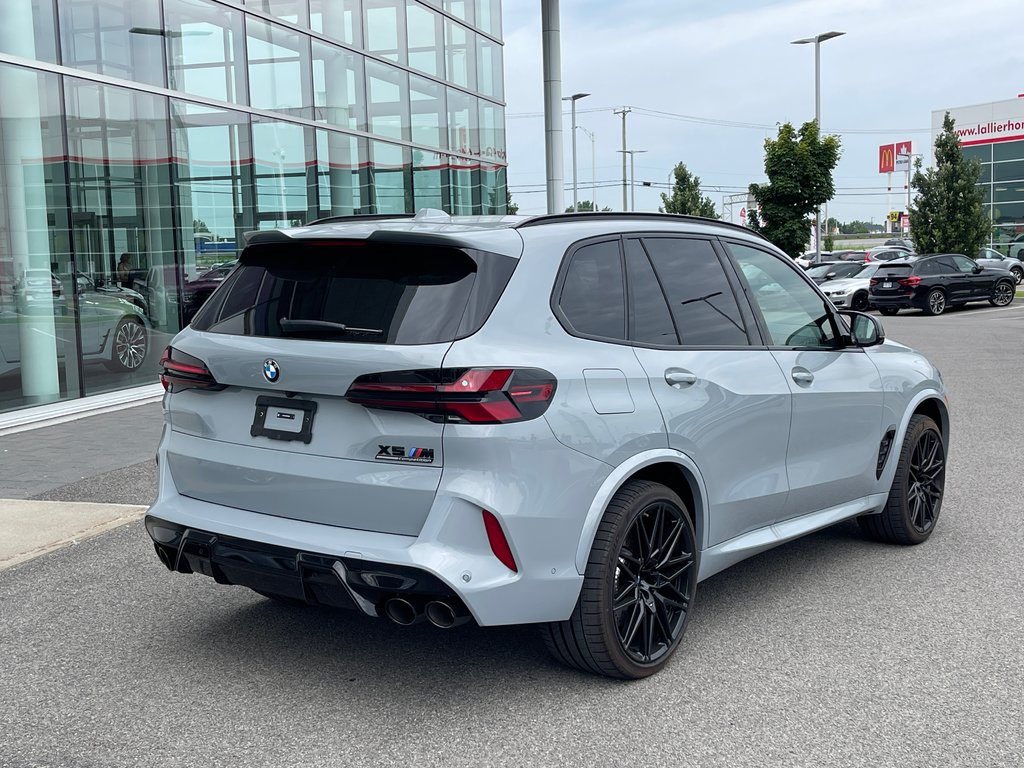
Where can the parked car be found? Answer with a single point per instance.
(887, 253)
(112, 330)
(989, 257)
(87, 284)
(860, 256)
(852, 291)
(837, 270)
(902, 242)
(935, 282)
(564, 420)
(1015, 248)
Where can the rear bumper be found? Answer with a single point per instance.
(339, 582)
(900, 302)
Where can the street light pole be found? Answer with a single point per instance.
(817, 40)
(593, 166)
(632, 177)
(573, 99)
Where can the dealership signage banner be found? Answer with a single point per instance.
(993, 123)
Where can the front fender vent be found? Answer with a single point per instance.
(883, 450)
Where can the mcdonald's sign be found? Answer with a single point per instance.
(887, 158)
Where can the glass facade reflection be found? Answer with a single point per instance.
(186, 124)
(993, 134)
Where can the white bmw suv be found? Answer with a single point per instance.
(562, 420)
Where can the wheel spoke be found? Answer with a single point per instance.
(635, 620)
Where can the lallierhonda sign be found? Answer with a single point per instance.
(985, 123)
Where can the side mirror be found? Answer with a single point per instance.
(865, 330)
(977, 269)
(830, 275)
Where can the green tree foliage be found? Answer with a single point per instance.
(947, 215)
(586, 205)
(513, 209)
(799, 167)
(686, 197)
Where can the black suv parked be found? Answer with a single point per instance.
(935, 282)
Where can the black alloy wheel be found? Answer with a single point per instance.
(1002, 294)
(859, 302)
(638, 588)
(915, 499)
(936, 302)
(889, 311)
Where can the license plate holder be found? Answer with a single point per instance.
(283, 419)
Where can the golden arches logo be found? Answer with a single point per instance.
(886, 158)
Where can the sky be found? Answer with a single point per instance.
(723, 76)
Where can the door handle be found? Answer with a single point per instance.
(678, 378)
(802, 376)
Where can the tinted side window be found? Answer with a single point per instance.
(964, 264)
(929, 267)
(593, 295)
(650, 320)
(698, 292)
(945, 265)
(795, 314)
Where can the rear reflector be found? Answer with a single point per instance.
(179, 371)
(462, 396)
(498, 542)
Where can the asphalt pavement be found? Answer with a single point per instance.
(831, 650)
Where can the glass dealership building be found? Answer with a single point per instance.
(994, 134)
(139, 140)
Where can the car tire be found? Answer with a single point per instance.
(915, 498)
(936, 302)
(637, 637)
(1018, 275)
(129, 346)
(1002, 294)
(889, 311)
(859, 302)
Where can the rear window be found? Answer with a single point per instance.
(899, 270)
(356, 293)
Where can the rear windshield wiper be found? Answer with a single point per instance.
(289, 325)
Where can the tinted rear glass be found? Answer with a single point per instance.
(368, 294)
(899, 270)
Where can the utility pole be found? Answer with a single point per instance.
(625, 199)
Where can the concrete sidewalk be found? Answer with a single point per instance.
(64, 483)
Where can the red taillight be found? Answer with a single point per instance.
(875, 280)
(179, 371)
(473, 396)
(909, 282)
(499, 544)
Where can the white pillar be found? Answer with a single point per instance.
(23, 216)
(551, 32)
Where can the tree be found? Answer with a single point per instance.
(948, 215)
(198, 225)
(686, 197)
(513, 209)
(586, 205)
(799, 167)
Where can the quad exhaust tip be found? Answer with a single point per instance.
(401, 611)
(442, 615)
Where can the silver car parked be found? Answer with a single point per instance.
(563, 420)
(989, 257)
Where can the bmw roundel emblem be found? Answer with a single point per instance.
(271, 370)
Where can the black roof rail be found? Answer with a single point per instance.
(553, 218)
(354, 217)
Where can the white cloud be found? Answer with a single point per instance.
(897, 63)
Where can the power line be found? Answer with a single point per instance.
(723, 123)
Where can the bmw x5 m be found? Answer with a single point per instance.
(568, 421)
